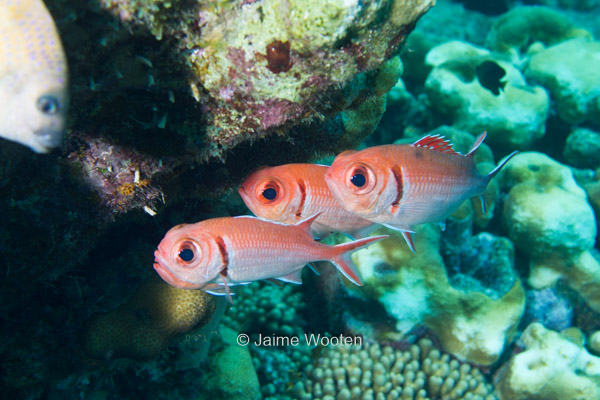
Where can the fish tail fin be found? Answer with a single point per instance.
(502, 163)
(343, 262)
(476, 145)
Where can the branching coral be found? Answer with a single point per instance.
(266, 309)
(372, 371)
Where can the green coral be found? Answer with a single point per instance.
(513, 118)
(230, 373)
(549, 218)
(569, 71)
(515, 31)
(414, 289)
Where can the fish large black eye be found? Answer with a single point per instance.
(48, 105)
(358, 179)
(269, 193)
(186, 255)
(187, 252)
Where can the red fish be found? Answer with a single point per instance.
(401, 186)
(216, 253)
(287, 193)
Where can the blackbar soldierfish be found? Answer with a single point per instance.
(401, 186)
(33, 76)
(288, 193)
(216, 253)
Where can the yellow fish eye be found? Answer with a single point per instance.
(48, 105)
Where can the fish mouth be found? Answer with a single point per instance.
(167, 275)
(47, 140)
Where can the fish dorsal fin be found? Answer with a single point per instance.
(436, 143)
(477, 143)
(306, 223)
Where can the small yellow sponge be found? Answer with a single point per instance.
(140, 328)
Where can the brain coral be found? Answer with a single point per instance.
(371, 371)
(262, 66)
(140, 328)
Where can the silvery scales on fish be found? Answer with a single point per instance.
(33, 76)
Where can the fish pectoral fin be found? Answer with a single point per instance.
(219, 291)
(363, 232)
(294, 277)
(482, 204)
(226, 287)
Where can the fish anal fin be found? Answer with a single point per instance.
(274, 282)
(313, 268)
(306, 223)
(409, 240)
(294, 277)
(406, 234)
(363, 232)
(476, 144)
(436, 143)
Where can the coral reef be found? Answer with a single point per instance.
(583, 148)
(263, 66)
(548, 218)
(550, 367)
(140, 328)
(374, 371)
(514, 116)
(550, 307)
(415, 289)
(267, 309)
(514, 32)
(567, 71)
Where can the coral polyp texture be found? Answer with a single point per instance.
(259, 67)
(382, 372)
(141, 328)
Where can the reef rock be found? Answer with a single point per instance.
(260, 67)
(415, 289)
(548, 218)
(503, 104)
(523, 28)
(583, 148)
(551, 367)
(569, 71)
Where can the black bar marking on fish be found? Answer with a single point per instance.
(224, 255)
(397, 171)
(302, 187)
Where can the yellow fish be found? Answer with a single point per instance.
(33, 76)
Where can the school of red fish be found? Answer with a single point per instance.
(398, 186)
